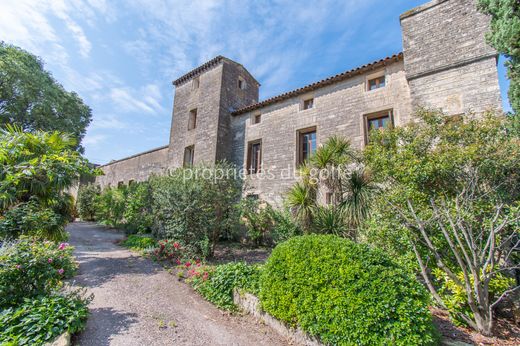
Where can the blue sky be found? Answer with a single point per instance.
(121, 56)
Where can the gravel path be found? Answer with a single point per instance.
(139, 303)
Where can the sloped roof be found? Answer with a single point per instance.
(327, 81)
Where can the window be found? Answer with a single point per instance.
(306, 144)
(192, 121)
(308, 104)
(257, 118)
(328, 198)
(376, 121)
(196, 83)
(254, 157)
(376, 83)
(241, 83)
(188, 156)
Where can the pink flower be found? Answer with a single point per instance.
(205, 276)
(187, 264)
(61, 271)
(49, 260)
(178, 261)
(176, 245)
(63, 246)
(18, 266)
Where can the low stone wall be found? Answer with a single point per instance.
(251, 304)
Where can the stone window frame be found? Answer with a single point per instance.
(241, 83)
(256, 118)
(299, 143)
(250, 145)
(191, 150)
(376, 76)
(376, 115)
(306, 98)
(195, 83)
(192, 119)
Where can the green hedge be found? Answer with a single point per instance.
(345, 293)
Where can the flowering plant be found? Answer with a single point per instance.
(172, 251)
(30, 267)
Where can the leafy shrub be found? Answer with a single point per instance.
(30, 268)
(87, 196)
(257, 217)
(217, 285)
(344, 293)
(138, 213)
(139, 242)
(284, 227)
(38, 321)
(169, 250)
(196, 206)
(111, 206)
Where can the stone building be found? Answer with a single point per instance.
(445, 64)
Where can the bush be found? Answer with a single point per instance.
(87, 196)
(139, 242)
(169, 250)
(110, 206)
(344, 293)
(196, 206)
(40, 320)
(284, 227)
(29, 268)
(217, 285)
(138, 208)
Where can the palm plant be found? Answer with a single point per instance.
(329, 220)
(301, 198)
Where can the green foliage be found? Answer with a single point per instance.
(284, 226)
(217, 285)
(139, 242)
(36, 169)
(138, 208)
(455, 296)
(29, 268)
(32, 99)
(110, 206)
(344, 293)
(329, 220)
(196, 206)
(504, 36)
(38, 321)
(87, 196)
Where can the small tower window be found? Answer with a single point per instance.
(188, 156)
(241, 83)
(376, 83)
(192, 121)
(196, 83)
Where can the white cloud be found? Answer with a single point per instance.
(145, 99)
(93, 139)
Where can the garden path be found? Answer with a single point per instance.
(137, 302)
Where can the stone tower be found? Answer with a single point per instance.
(204, 100)
(447, 61)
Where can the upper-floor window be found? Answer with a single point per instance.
(376, 83)
(254, 157)
(189, 153)
(241, 83)
(306, 144)
(257, 118)
(376, 121)
(192, 120)
(196, 83)
(308, 103)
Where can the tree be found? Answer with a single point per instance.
(505, 37)
(36, 169)
(453, 183)
(33, 100)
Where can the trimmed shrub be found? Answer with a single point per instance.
(217, 285)
(345, 293)
(40, 320)
(29, 268)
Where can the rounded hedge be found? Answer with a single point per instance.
(345, 293)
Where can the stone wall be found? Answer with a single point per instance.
(339, 109)
(137, 168)
(447, 61)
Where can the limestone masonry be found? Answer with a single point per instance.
(445, 64)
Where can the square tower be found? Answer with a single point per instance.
(204, 100)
